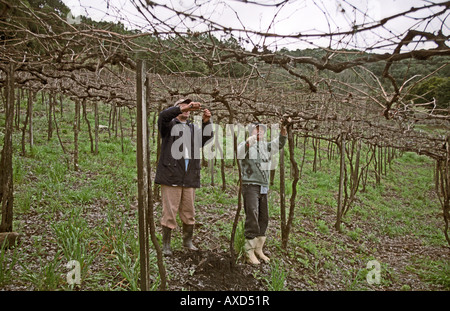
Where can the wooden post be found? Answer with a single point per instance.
(6, 170)
(151, 220)
(446, 191)
(142, 167)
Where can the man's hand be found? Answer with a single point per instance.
(206, 115)
(285, 122)
(251, 140)
(192, 106)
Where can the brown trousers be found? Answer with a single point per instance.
(177, 199)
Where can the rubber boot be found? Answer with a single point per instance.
(259, 246)
(166, 235)
(188, 231)
(250, 246)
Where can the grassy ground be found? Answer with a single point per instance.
(90, 216)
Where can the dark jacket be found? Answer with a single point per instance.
(171, 167)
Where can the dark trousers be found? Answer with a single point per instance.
(256, 211)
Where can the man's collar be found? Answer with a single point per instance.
(178, 121)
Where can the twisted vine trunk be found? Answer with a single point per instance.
(295, 179)
(282, 195)
(6, 170)
(340, 208)
(75, 134)
(27, 120)
(443, 188)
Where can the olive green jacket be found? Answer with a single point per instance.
(256, 160)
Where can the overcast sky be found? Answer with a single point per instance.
(297, 16)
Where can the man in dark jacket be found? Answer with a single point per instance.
(178, 170)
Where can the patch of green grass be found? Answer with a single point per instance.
(48, 276)
(322, 226)
(239, 241)
(436, 272)
(75, 241)
(403, 203)
(23, 202)
(355, 234)
(8, 260)
(278, 276)
(208, 195)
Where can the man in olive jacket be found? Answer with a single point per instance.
(255, 156)
(178, 170)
